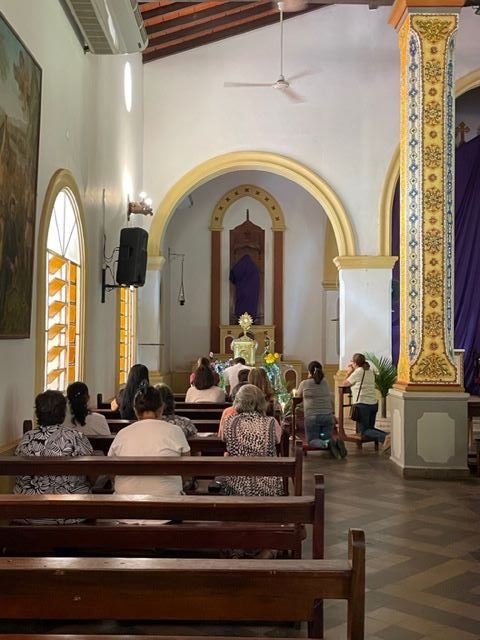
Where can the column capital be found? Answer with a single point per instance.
(402, 7)
(365, 262)
(156, 263)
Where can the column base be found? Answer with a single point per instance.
(429, 434)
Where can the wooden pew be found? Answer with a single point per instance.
(287, 467)
(192, 410)
(210, 445)
(206, 522)
(186, 590)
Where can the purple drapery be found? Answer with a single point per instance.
(245, 275)
(467, 259)
(467, 256)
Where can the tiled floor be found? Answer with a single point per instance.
(423, 554)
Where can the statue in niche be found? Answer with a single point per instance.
(247, 267)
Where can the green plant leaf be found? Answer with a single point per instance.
(385, 373)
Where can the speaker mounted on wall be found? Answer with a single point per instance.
(132, 260)
(132, 257)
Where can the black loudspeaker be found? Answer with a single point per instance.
(132, 257)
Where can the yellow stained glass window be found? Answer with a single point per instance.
(127, 332)
(63, 273)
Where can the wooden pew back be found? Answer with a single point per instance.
(185, 590)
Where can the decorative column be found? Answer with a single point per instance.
(429, 408)
(365, 307)
(150, 321)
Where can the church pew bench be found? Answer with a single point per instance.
(290, 468)
(200, 522)
(101, 404)
(192, 410)
(185, 590)
(115, 424)
(210, 445)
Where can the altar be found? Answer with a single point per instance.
(263, 335)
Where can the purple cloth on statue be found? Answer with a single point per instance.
(246, 278)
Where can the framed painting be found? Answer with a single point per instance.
(20, 101)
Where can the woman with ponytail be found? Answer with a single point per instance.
(318, 409)
(79, 416)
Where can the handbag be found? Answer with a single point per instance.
(354, 409)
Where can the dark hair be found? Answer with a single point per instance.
(239, 360)
(50, 408)
(137, 376)
(204, 378)
(203, 362)
(146, 399)
(259, 378)
(166, 398)
(360, 361)
(316, 371)
(78, 396)
(243, 375)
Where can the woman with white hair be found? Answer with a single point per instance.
(249, 432)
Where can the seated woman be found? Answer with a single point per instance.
(204, 388)
(80, 416)
(123, 401)
(52, 438)
(361, 379)
(168, 413)
(242, 380)
(249, 432)
(150, 436)
(318, 409)
(205, 362)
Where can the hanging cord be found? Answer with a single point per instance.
(181, 293)
(280, 8)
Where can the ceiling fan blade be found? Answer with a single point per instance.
(293, 95)
(247, 84)
(301, 74)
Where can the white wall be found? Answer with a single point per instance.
(346, 130)
(85, 129)
(188, 330)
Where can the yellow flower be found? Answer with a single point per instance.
(277, 356)
(269, 358)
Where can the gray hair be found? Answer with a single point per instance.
(250, 398)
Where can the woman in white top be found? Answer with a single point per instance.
(361, 379)
(150, 436)
(79, 416)
(204, 388)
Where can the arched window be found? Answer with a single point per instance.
(64, 282)
(127, 332)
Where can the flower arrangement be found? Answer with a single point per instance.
(271, 364)
(219, 366)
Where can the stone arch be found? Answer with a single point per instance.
(462, 85)
(242, 191)
(256, 161)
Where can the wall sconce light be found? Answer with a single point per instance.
(143, 206)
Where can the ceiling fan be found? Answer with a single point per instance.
(281, 82)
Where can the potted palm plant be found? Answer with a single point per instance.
(385, 377)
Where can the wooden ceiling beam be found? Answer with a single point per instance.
(179, 9)
(215, 36)
(211, 20)
(164, 8)
(225, 24)
(234, 8)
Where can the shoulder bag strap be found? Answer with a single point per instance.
(360, 387)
